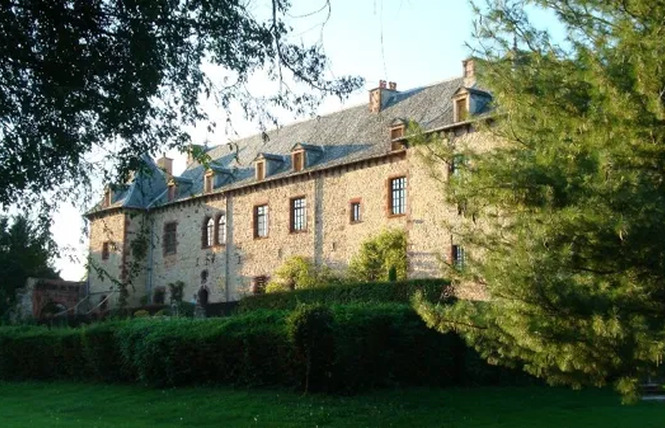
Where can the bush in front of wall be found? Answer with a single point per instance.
(434, 290)
(380, 255)
(298, 273)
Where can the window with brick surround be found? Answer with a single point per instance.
(169, 240)
(259, 284)
(221, 229)
(106, 250)
(397, 196)
(261, 221)
(354, 210)
(298, 214)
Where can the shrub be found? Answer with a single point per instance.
(41, 353)
(379, 256)
(434, 290)
(310, 330)
(298, 273)
(345, 348)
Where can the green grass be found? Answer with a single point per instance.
(60, 404)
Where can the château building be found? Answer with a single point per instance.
(316, 188)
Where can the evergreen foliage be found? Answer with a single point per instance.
(25, 250)
(568, 211)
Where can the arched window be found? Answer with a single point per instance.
(208, 232)
(221, 229)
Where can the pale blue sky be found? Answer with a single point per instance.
(411, 42)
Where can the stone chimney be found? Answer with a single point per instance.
(469, 66)
(380, 96)
(165, 164)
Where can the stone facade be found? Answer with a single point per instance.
(344, 174)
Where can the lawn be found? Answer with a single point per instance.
(60, 404)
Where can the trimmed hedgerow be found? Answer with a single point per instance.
(41, 353)
(434, 290)
(342, 348)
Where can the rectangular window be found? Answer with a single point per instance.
(457, 256)
(106, 250)
(261, 221)
(170, 230)
(260, 171)
(397, 132)
(298, 161)
(462, 111)
(298, 215)
(355, 212)
(398, 196)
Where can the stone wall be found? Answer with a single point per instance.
(330, 237)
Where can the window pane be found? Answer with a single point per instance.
(210, 230)
(261, 221)
(398, 195)
(298, 214)
(221, 230)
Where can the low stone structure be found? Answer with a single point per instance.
(47, 297)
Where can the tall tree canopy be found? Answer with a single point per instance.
(127, 75)
(25, 250)
(568, 212)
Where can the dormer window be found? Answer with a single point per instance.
(298, 159)
(260, 170)
(208, 182)
(171, 191)
(461, 109)
(397, 131)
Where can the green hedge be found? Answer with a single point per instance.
(375, 292)
(342, 348)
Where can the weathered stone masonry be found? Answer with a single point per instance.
(345, 157)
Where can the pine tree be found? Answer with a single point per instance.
(568, 211)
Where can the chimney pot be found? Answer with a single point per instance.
(392, 86)
(382, 84)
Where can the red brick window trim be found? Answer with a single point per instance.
(298, 214)
(260, 221)
(355, 211)
(396, 188)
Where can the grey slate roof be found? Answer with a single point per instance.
(346, 136)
